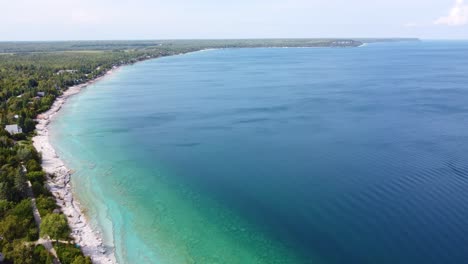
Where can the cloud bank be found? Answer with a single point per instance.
(458, 15)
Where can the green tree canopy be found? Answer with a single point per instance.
(21, 253)
(81, 260)
(55, 226)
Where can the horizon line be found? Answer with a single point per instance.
(261, 38)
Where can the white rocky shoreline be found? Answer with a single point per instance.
(88, 239)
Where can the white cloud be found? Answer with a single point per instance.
(458, 15)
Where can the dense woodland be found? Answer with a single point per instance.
(166, 45)
(32, 76)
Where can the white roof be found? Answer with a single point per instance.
(13, 129)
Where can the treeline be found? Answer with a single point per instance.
(163, 45)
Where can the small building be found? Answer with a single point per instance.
(41, 94)
(13, 129)
(66, 71)
(16, 116)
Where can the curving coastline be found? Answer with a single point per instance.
(59, 182)
(59, 178)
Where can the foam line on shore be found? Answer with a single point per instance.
(59, 183)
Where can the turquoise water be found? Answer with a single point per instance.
(277, 155)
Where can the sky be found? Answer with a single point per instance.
(195, 19)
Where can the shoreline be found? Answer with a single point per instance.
(89, 239)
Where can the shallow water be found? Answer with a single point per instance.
(318, 155)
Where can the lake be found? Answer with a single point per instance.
(277, 155)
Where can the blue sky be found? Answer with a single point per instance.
(156, 19)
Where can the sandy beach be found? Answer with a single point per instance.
(59, 184)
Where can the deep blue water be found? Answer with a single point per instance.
(320, 155)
